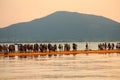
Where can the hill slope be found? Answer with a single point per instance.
(63, 25)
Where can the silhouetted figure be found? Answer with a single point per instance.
(55, 47)
(60, 47)
(11, 48)
(5, 49)
(86, 46)
(112, 46)
(105, 46)
(0, 48)
(118, 46)
(50, 47)
(74, 47)
(109, 46)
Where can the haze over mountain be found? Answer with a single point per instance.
(64, 26)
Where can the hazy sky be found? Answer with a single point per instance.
(15, 11)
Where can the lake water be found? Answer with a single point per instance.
(65, 67)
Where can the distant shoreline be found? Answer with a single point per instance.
(55, 41)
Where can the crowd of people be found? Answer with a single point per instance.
(105, 46)
(109, 46)
(36, 48)
(118, 46)
(52, 47)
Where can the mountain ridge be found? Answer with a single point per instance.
(63, 25)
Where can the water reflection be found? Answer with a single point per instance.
(80, 67)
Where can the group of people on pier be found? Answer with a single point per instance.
(105, 46)
(51, 47)
(36, 48)
(109, 46)
(118, 46)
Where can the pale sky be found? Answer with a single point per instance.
(15, 11)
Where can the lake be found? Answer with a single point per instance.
(65, 67)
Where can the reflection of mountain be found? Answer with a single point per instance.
(63, 25)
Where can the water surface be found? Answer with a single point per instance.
(66, 67)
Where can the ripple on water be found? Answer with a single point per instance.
(82, 67)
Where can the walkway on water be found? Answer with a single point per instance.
(60, 53)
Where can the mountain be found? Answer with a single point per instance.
(64, 26)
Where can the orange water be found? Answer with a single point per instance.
(66, 67)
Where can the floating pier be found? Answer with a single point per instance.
(59, 53)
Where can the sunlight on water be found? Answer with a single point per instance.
(65, 67)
